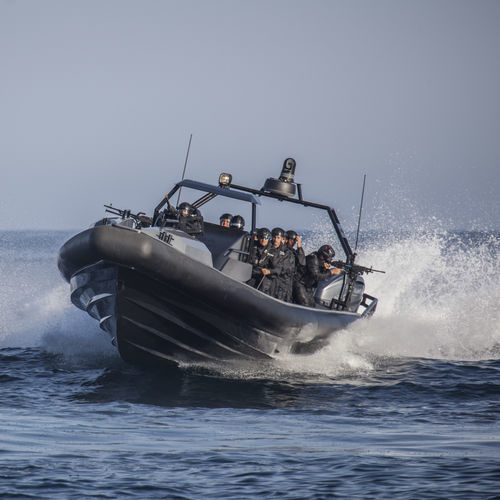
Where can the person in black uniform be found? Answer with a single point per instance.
(225, 220)
(293, 238)
(190, 219)
(284, 265)
(261, 259)
(237, 222)
(318, 268)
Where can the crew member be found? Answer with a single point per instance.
(318, 268)
(284, 263)
(261, 258)
(293, 238)
(190, 219)
(225, 220)
(238, 222)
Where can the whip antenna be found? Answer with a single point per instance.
(185, 165)
(359, 217)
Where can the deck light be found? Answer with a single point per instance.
(225, 180)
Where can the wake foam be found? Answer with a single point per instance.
(438, 299)
(50, 322)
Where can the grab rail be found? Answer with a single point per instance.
(369, 308)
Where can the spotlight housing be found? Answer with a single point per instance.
(283, 186)
(225, 179)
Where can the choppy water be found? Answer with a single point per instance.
(404, 405)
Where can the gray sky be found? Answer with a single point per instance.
(98, 98)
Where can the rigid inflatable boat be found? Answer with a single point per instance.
(166, 294)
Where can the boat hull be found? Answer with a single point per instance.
(163, 306)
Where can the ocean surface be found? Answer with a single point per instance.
(403, 405)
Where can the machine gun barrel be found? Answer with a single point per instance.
(141, 218)
(118, 211)
(355, 268)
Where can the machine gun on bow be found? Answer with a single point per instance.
(141, 219)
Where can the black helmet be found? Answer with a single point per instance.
(225, 216)
(263, 233)
(237, 221)
(291, 235)
(277, 231)
(326, 252)
(185, 206)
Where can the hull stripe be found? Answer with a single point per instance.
(170, 317)
(170, 339)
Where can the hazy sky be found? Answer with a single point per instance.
(98, 98)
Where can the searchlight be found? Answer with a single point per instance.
(283, 186)
(225, 180)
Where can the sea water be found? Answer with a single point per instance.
(403, 405)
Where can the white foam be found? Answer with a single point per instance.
(438, 299)
(49, 321)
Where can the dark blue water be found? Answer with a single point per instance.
(405, 405)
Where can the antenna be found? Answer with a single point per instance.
(359, 217)
(185, 165)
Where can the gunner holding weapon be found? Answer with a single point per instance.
(318, 268)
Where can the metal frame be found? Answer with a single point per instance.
(239, 192)
(300, 201)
